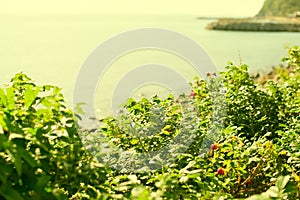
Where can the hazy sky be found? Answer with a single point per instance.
(195, 7)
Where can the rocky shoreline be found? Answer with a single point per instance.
(275, 24)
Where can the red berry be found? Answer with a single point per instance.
(214, 146)
(193, 94)
(220, 171)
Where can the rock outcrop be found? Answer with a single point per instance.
(257, 24)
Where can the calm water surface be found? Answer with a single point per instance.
(51, 49)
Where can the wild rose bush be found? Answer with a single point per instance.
(243, 141)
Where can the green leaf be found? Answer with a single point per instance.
(10, 95)
(140, 193)
(134, 141)
(273, 192)
(24, 154)
(3, 121)
(3, 97)
(78, 108)
(282, 181)
(30, 95)
(10, 193)
(59, 194)
(16, 160)
(291, 187)
(42, 182)
(20, 77)
(3, 178)
(18, 163)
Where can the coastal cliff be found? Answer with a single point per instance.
(283, 8)
(275, 15)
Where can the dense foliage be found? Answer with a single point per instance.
(279, 7)
(232, 138)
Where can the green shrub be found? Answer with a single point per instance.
(230, 138)
(40, 152)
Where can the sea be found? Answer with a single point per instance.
(52, 49)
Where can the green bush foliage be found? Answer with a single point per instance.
(40, 151)
(279, 8)
(243, 142)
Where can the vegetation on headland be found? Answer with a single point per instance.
(283, 8)
(255, 150)
(275, 15)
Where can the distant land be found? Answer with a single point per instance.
(274, 16)
(279, 8)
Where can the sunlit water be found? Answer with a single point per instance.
(51, 49)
